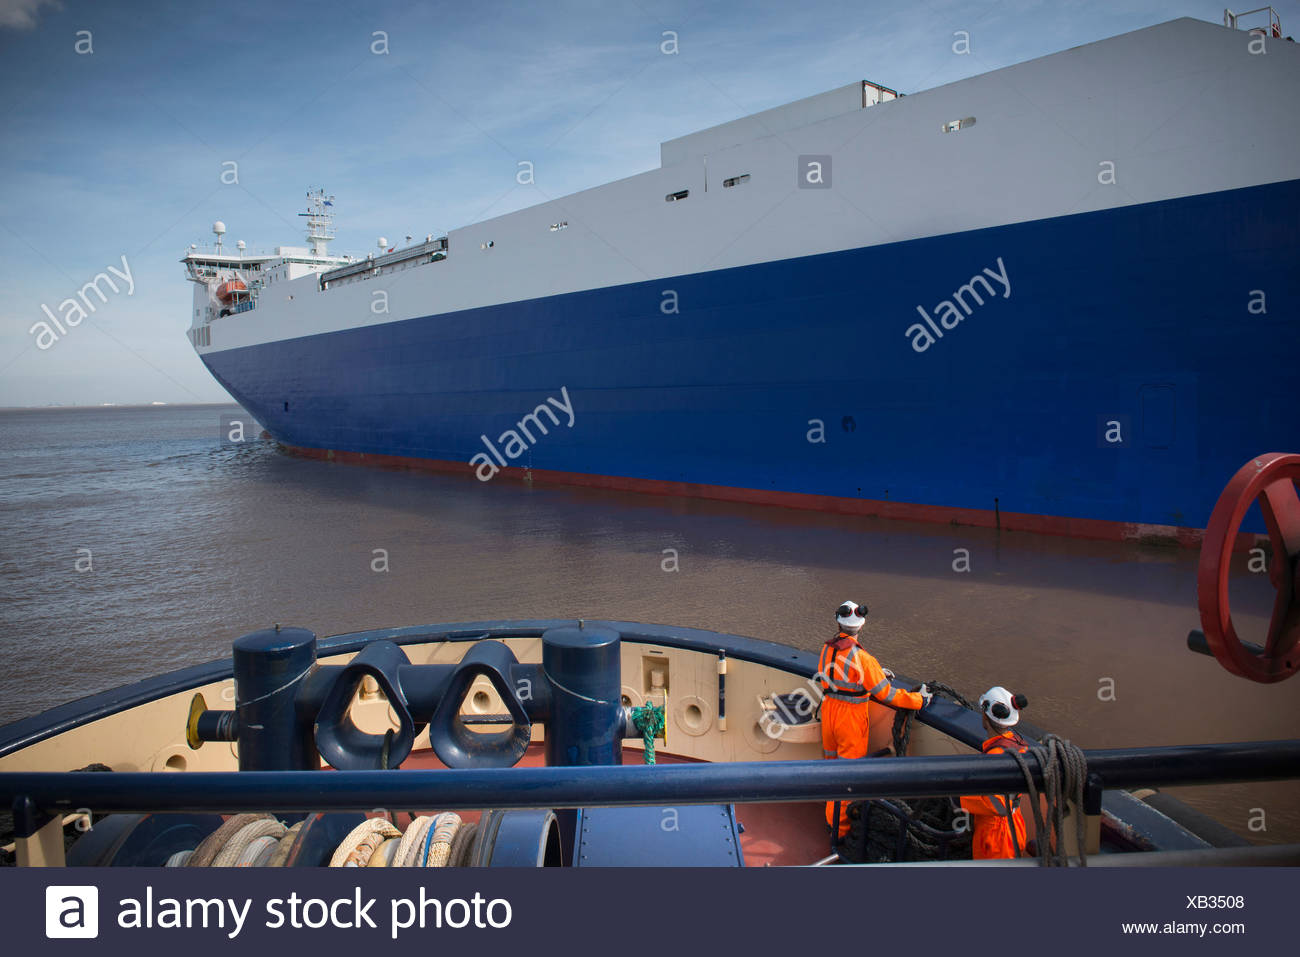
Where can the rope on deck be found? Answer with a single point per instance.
(650, 720)
(1065, 769)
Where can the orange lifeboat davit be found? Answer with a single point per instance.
(229, 289)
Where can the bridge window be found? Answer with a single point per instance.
(735, 180)
(952, 126)
(674, 197)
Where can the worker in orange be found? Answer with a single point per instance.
(850, 678)
(998, 827)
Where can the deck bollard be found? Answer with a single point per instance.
(270, 666)
(584, 669)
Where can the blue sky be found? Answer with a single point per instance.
(119, 151)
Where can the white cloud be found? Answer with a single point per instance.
(21, 14)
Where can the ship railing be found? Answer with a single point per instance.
(212, 249)
(39, 799)
(433, 248)
(1273, 28)
(243, 305)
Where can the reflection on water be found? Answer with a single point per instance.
(193, 543)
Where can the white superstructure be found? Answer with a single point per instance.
(230, 284)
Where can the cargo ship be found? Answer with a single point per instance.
(1058, 297)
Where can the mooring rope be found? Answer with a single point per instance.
(385, 854)
(284, 847)
(412, 842)
(462, 845)
(361, 842)
(1065, 769)
(258, 852)
(233, 849)
(211, 845)
(437, 844)
(650, 720)
(903, 719)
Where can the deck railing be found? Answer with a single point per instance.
(1274, 27)
(602, 786)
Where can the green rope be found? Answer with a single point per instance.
(649, 720)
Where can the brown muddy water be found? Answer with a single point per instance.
(192, 543)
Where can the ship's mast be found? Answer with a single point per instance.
(320, 221)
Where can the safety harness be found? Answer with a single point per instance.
(829, 664)
(838, 687)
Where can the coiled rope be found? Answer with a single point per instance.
(384, 854)
(1065, 769)
(922, 829)
(282, 849)
(897, 830)
(258, 852)
(437, 843)
(259, 840)
(211, 845)
(412, 843)
(233, 850)
(462, 845)
(362, 841)
(903, 719)
(650, 720)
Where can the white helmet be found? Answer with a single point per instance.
(851, 616)
(1002, 707)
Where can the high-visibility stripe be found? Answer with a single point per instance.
(883, 683)
(855, 691)
(893, 693)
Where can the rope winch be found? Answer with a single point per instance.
(259, 840)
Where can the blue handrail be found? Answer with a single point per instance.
(593, 786)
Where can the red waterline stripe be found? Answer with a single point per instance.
(1091, 528)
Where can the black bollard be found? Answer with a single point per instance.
(270, 666)
(583, 667)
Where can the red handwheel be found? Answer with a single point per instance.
(1271, 479)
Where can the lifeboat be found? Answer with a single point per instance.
(230, 289)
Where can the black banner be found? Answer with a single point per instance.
(645, 911)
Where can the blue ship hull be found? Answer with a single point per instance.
(1139, 323)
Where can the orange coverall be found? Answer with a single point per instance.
(850, 678)
(990, 829)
